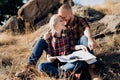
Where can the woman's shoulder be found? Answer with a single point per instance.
(47, 35)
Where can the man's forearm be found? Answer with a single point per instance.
(88, 33)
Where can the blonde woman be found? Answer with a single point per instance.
(60, 42)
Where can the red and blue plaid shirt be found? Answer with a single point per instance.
(62, 45)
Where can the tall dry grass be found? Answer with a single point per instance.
(14, 52)
(107, 8)
(108, 44)
(7, 39)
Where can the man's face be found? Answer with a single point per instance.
(65, 14)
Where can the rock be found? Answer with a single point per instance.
(14, 24)
(91, 14)
(97, 27)
(112, 22)
(108, 25)
(10, 23)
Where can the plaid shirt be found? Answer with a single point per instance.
(77, 26)
(62, 45)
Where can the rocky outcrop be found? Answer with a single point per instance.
(108, 25)
(112, 22)
(97, 27)
(90, 14)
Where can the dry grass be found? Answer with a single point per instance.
(107, 8)
(108, 44)
(14, 52)
(14, 58)
(7, 39)
(117, 39)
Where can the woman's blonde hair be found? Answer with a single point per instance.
(53, 20)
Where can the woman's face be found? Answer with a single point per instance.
(60, 23)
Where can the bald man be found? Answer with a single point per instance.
(81, 31)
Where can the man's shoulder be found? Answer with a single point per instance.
(80, 17)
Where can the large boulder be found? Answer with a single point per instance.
(112, 22)
(35, 10)
(108, 25)
(90, 14)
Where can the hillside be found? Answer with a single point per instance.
(105, 27)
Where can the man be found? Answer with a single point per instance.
(81, 32)
(77, 25)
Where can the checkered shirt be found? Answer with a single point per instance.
(62, 45)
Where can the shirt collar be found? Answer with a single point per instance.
(71, 23)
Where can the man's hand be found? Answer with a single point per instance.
(46, 36)
(92, 44)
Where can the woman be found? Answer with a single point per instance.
(60, 42)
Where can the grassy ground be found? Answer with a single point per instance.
(14, 52)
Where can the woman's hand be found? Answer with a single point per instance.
(46, 36)
(51, 59)
(77, 47)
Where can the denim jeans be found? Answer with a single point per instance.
(50, 67)
(53, 69)
(84, 41)
(37, 51)
(72, 66)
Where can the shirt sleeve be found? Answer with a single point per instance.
(49, 47)
(84, 23)
(72, 41)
